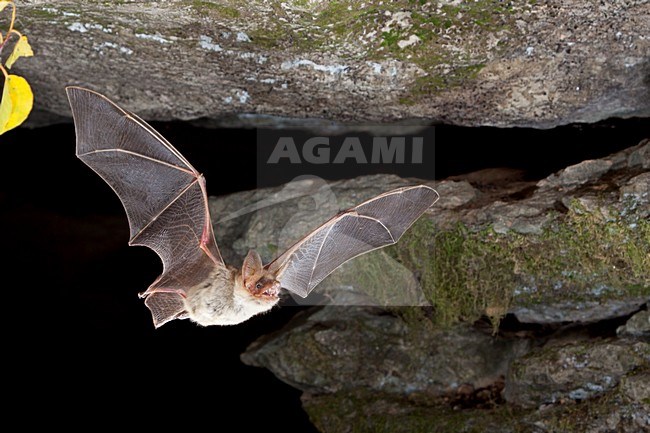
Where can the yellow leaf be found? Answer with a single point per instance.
(21, 49)
(4, 4)
(16, 103)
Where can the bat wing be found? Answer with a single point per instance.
(376, 223)
(163, 195)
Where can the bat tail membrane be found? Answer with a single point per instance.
(165, 307)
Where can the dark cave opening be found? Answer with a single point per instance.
(217, 153)
(67, 233)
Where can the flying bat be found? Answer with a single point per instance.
(166, 203)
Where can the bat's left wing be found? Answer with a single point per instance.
(163, 195)
(373, 224)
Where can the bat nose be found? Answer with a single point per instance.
(273, 289)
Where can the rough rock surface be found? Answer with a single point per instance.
(577, 371)
(309, 63)
(355, 347)
(624, 409)
(571, 354)
(637, 326)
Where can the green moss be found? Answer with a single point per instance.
(274, 34)
(273, 249)
(341, 20)
(377, 275)
(585, 255)
(390, 39)
(463, 274)
(221, 10)
(580, 256)
(471, 22)
(362, 30)
(268, 38)
(37, 13)
(435, 83)
(340, 25)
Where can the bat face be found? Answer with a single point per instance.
(267, 287)
(259, 282)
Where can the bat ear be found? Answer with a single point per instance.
(252, 266)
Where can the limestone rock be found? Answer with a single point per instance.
(313, 63)
(345, 348)
(578, 311)
(577, 371)
(637, 326)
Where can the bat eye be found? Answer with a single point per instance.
(258, 286)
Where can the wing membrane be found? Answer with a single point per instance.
(163, 195)
(373, 224)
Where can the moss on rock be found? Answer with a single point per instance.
(580, 256)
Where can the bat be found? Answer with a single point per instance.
(166, 204)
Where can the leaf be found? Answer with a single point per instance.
(4, 4)
(17, 101)
(21, 49)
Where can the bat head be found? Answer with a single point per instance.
(260, 283)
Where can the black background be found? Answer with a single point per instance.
(71, 281)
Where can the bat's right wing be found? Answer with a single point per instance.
(163, 195)
(378, 222)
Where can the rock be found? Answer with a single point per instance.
(344, 348)
(583, 172)
(624, 409)
(518, 217)
(560, 259)
(376, 279)
(367, 413)
(636, 388)
(589, 171)
(637, 326)
(577, 311)
(636, 194)
(640, 156)
(577, 371)
(455, 194)
(323, 64)
(492, 176)
(638, 186)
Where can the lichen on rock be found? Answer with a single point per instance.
(482, 62)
